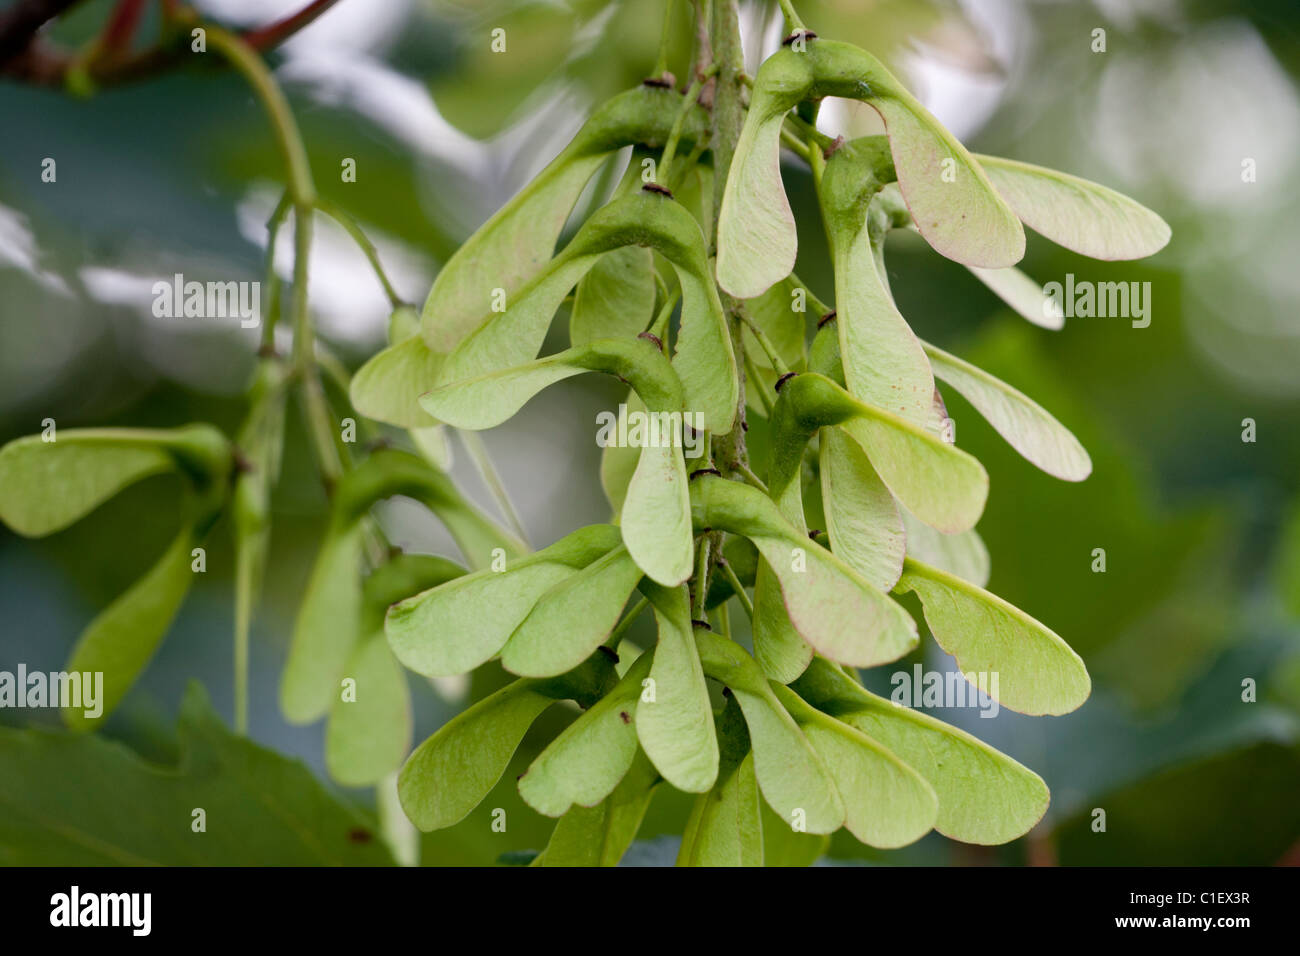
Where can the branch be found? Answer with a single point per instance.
(43, 65)
(18, 24)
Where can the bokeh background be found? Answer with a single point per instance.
(1201, 529)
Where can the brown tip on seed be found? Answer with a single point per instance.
(829, 151)
(806, 34)
(828, 317)
(815, 532)
(780, 382)
(703, 624)
(242, 464)
(359, 835)
(651, 337)
(656, 188)
(726, 691)
(266, 350)
(664, 81)
(623, 716)
(609, 652)
(704, 471)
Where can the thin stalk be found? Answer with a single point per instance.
(701, 578)
(744, 471)
(764, 342)
(752, 370)
(661, 63)
(791, 18)
(629, 618)
(659, 327)
(488, 472)
(664, 170)
(794, 143)
(344, 219)
(729, 573)
(271, 281)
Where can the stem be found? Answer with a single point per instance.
(674, 134)
(794, 143)
(344, 219)
(764, 399)
(661, 63)
(616, 635)
(729, 573)
(791, 18)
(659, 328)
(272, 277)
(744, 471)
(764, 342)
(701, 578)
(488, 472)
(243, 621)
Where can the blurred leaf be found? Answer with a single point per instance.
(85, 801)
(1244, 813)
(119, 642)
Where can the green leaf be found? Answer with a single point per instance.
(74, 800)
(778, 648)
(1026, 426)
(1080, 215)
(1036, 672)
(120, 641)
(793, 777)
(655, 518)
(600, 835)
(387, 388)
(703, 360)
(572, 618)
(618, 461)
(584, 764)
(616, 299)
(675, 728)
(963, 554)
(831, 606)
(513, 246)
(757, 242)
(454, 627)
(450, 773)
(863, 522)
(937, 482)
(884, 364)
(955, 206)
(725, 827)
(326, 629)
(887, 803)
(367, 738)
(984, 796)
(46, 486)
